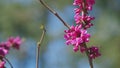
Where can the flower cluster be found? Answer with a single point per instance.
(5, 47)
(93, 52)
(77, 35)
(81, 12)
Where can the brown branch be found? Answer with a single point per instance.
(88, 55)
(8, 62)
(84, 11)
(55, 13)
(38, 46)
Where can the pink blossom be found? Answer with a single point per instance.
(93, 52)
(77, 10)
(4, 48)
(76, 48)
(87, 20)
(77, 2)
(3, 51)
(5, 45)
(76, 36)
(88, 4)
(78, 18)
(82, 17)
(82, 48)
(15, 42)
(2, 63)
(85, 36)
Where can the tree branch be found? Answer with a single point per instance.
(88, 55)
(55, 13)
(8, 62)
(38, 46)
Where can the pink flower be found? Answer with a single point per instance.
(88, 5)
(82, 49)
(87, 20)
(78, 18)
(2, 63)
(15, 42)
(76, 48)
(5, 45)
(3, 51)
(76, 36)
(81, 18)
(77, 2)
(4, 48)
(90, 2)
(77, 10)
(94, 52)
(85, 36)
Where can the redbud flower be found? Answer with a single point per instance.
(93, 52)
(77, 2)
(77, 10)
(2, 63)
(3, 52)
(87, 20)
(76, 48)
(82, 49)
(76, 36)
(15, 42)
(4, 47)
(88, 4)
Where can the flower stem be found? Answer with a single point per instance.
(38, 47)
(88, 55)
(8, 62)
(84, 12)
(55, 13)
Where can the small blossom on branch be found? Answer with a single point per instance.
(76, 36)
(14, 42)
(94, 52)
(89, 4)
(2, 64)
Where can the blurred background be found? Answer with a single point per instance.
(24, 17)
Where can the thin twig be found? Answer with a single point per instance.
(38, 48)
(88, 55)
(8, 62)
(84, 12)
(55, 13)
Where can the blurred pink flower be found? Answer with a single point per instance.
(4, 48)
(88, 4)
(93, 52)
(15, 42)
(2, 63)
